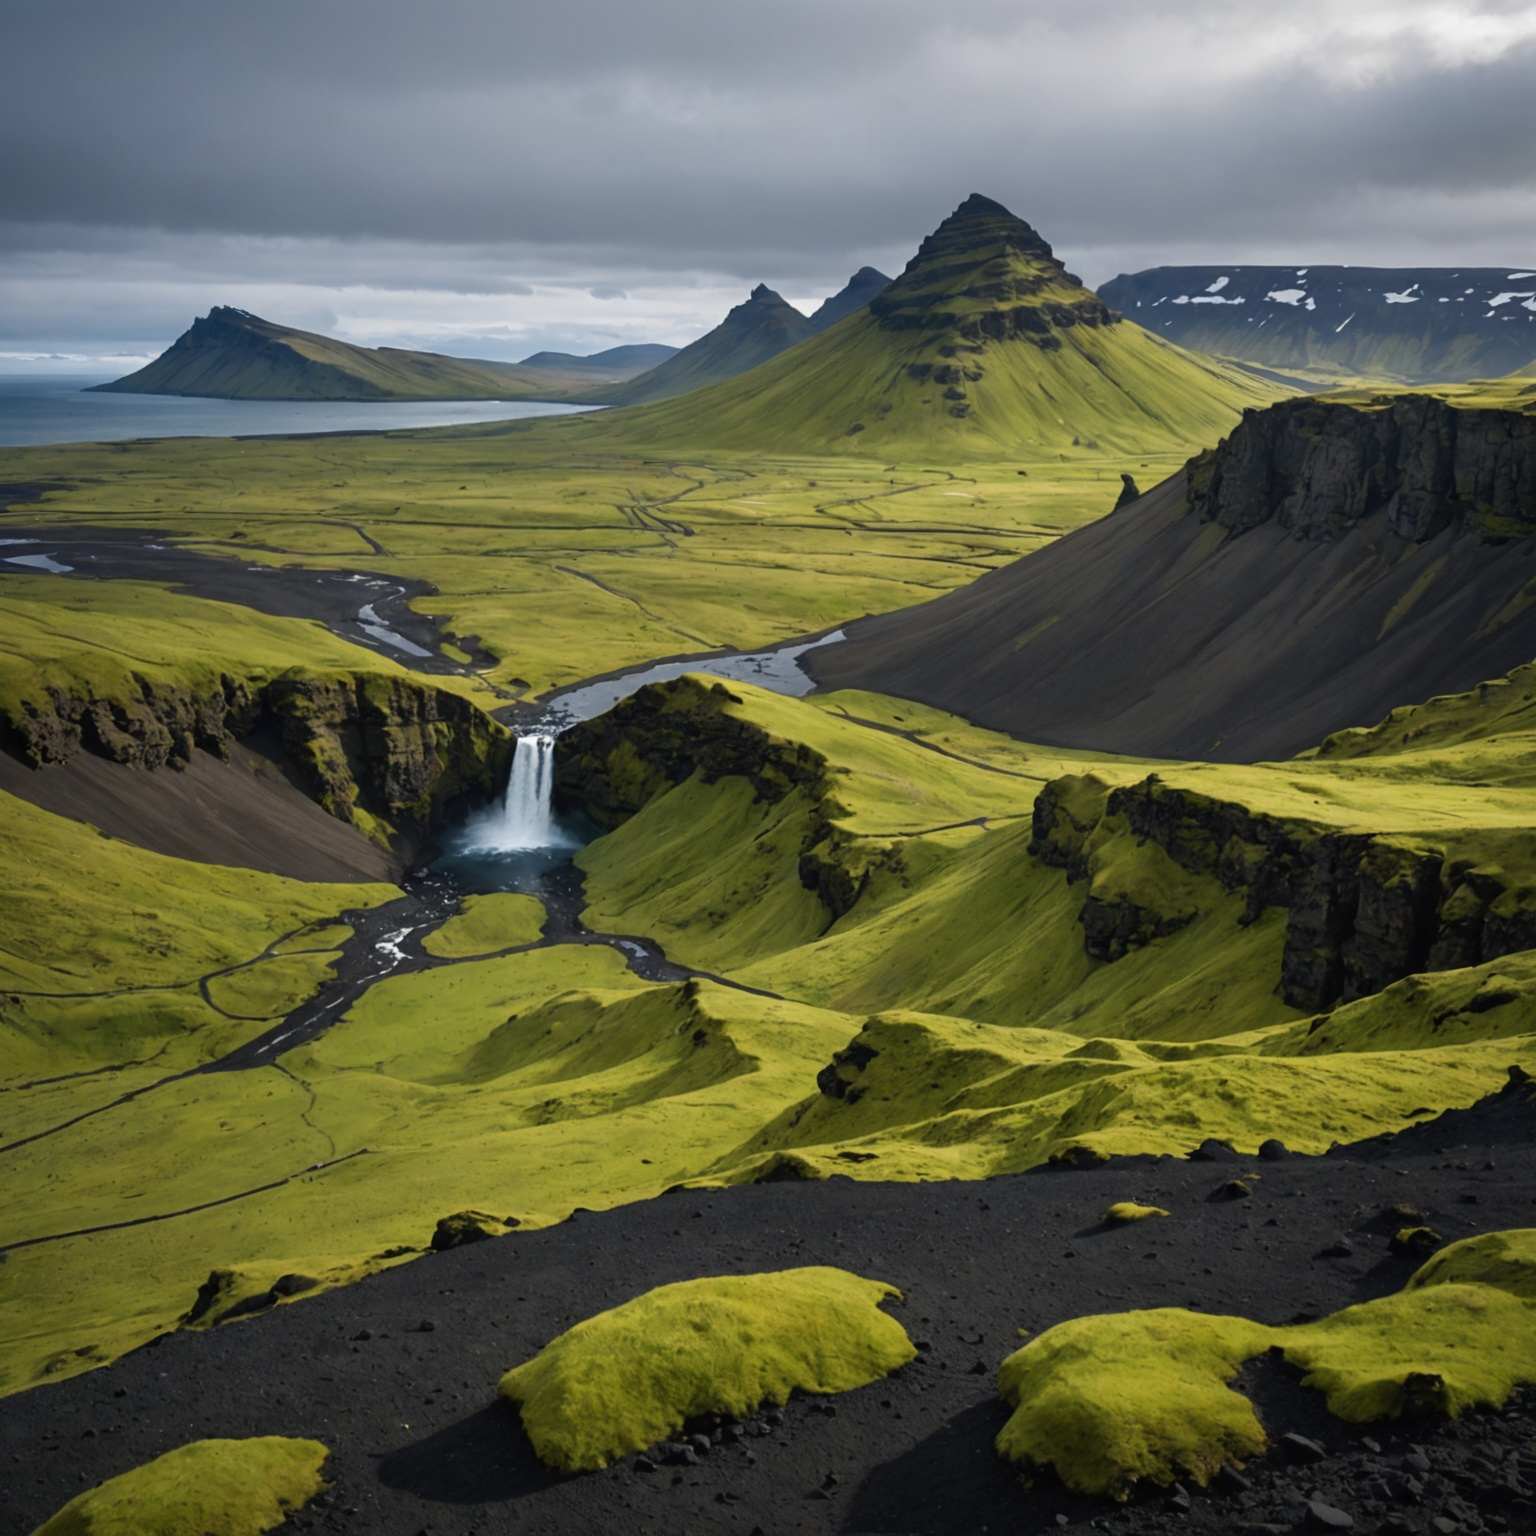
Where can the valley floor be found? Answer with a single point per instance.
(858, 966)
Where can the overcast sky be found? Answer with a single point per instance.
(493, 176)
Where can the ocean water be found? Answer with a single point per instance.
(62, 410)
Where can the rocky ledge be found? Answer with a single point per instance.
(613, 766)
(369, 748)
(1318, 468)
(1362, 910)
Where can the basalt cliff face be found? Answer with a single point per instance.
(1317, 469)
(1323, 565)
(1362, 911)
(370, 749)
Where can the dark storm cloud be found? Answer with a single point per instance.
(481, 146)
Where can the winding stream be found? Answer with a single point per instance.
(518, 844)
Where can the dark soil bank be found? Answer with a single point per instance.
(398, 1374)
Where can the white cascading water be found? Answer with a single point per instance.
(525, 818)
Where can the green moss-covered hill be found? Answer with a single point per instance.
(984, 344)
(230, 354)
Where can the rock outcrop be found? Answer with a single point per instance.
(1318, 469)
(1363, 911)
(986, 275)
(613, 766)
(368, 747)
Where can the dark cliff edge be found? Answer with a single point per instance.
(392, 756)
(613, 766)
(1323, 565)
(1362, 910)
(1317, 470)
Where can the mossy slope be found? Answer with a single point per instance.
(1108, 975)
(630, 1377)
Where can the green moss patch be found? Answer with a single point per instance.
(1123, 1212)
(1132, 1397)
(487, 924)
(207, 1488)
(632, 1376)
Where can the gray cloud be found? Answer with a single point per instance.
(677, 148)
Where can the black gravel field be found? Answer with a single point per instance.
(398, 1374)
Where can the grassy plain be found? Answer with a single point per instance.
(568, 558)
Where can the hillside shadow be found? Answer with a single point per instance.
(484, 1459)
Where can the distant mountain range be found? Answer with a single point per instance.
(231, 354)
(985, 344)
(759, 328)
(1416, 324)
(616, 362)
(853, 296)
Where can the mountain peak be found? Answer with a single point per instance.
(978, 206)
(762, 294)
(983, 221)
(985, 275)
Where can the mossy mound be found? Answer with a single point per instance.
(1132, 1397)
(207, 1488)
(632, 1376)
(1123, 1212)
(1506, 1260)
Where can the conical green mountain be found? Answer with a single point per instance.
(756, 330)
(985, 345)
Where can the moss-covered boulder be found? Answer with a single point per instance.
(1114, 1400)
(632, 1376)
(1123, 1212)
(207, 1488)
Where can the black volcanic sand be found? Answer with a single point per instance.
(285, 591)
(1150, 633)
(398, 1374)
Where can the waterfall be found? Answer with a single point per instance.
(526, 818)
